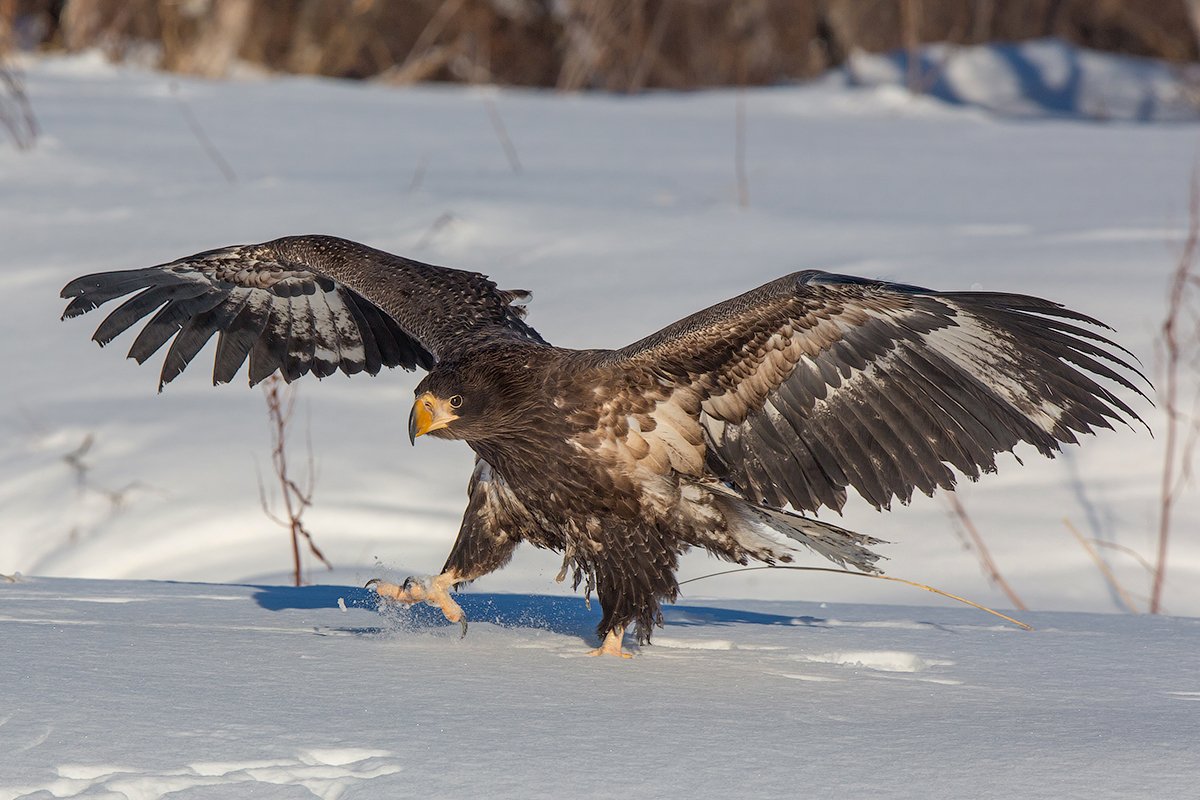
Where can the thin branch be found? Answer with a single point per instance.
(194, 125)
(510, 151)
(1102, 565)
(835, 571)
(981, 551)
(1177, 352)
(295, 500)
(739, 150)
(1129, 551)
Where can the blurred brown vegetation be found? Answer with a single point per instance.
(622, 45)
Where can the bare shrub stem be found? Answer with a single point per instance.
(296, 499)
(1179, 349)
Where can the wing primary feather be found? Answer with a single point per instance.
(995, 412)
(942, 423)
(825, 459)
(132, 310)
(918, 462)
(776, 461)
(793, 451)
(197, 332)
(269, 353)
(327, 353)
(236, 341)
(833, 480)
(372, 361)
(298, 352)
(92, 291)
(169, 320)
(349, 339)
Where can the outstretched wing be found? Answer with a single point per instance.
(300, 304)
(816, 382)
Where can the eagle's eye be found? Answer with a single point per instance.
(456, 401)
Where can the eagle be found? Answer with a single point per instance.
(726, 431)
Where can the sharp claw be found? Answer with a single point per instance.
(463, 621)
(409, 581)
(371, 583)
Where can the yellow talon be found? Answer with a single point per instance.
(611, 646)
(415, 591)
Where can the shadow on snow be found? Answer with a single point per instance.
(558, 614)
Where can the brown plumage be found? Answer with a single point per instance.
(713, 432)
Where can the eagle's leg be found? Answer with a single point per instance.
(611, 646)
(435, 593)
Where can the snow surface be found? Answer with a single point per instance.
(146, 689)
(622, 217)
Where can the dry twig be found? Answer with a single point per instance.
(836, 571)
(193, 124)
(510, 151)
(739, 151)
(296, 499)
(964, 523)
(16, 112)
(1180, 348)
(1102, 565)
(1129, 551)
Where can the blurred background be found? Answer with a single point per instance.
(620, 46)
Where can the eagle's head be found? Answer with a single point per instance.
(459, 401)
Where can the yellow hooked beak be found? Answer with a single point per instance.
(429, 413)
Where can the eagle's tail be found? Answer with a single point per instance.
(771, 534)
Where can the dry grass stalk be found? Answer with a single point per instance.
(510, 152)
(1179, 340)
(872, 575)
(1105, 570)
(739, 151)
(206, 144)
(296, 499)
(1129, 551)
(975, 542)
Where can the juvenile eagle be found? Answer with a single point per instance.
(699, 435)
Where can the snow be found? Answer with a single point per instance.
(622, 217)
(1038, 79)
(146, 689)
